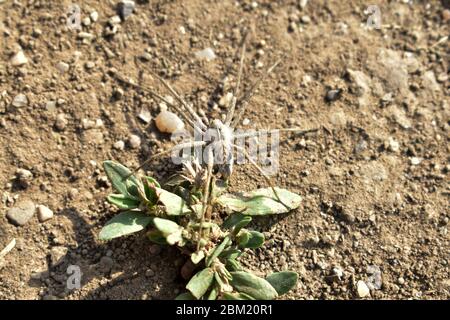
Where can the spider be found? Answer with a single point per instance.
(222, 131)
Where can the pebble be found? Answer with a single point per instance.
(119, 145)
(62, 67)
(44, 213)
(306, 19)
(333, 95)
(362, 289)
(207, 54)
(57, 255)
(106, 264)
(394, 146)
(401, 281)
(24, 174)
(134, 141)
(125, 8)
(446, 15)
(149, 273)
(168, 122)
(61, 122)
(20, 214)
(145, 115)
(415, 161)
(245, 122)
(20, 101)
(155, 249)
(94, 16)
(89, 65)
(19, 59)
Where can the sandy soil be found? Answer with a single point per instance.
(374, 178)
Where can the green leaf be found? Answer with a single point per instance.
(157, 237)
(231, 253)
(169, 229)
(124, 223)
(251, 239)
(123, 202)
(218, 250)
(212, 295)
(234, 265)
(121, 178)
(253, 286)
(166, 226)
(149, 189)
(261, 202)
(174, 205)
(198, 256)
(236, 221)
(283, 281)
(185, 296)
(201, 282)
(237, 296)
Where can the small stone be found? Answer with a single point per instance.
(442, 77)
(20, 101)
(362, 289)
(400, 281)
(333, 95)
(20, 214)
(394, 146)
(57, 255)
(86, 21)
(89, 65)
(61, 122)
(149, 273)
(134, 141)
(24, 174)
(145, 115)
(207, 54)
(106, 264)
(155, 249)
(446, 15)
(114, 20)
(19, 59)
(118, 93)
(44, 213)
(62, 67)
(306, 19)
(415, 161)
(168, 122)
(50, 106)
(94, 16)
(119, 145)
(125, 8)
(225, 100)
(246, 122)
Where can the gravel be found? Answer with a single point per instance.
(21, 213)
(134, 141)
(20, 101)
(44, 213)
(19, 59)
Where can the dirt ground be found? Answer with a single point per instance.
(374, 178)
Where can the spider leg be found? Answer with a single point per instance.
(180, 100)
(232, 104)
(176, 148)
(157, 96)
(298, 132)
(261, 171)
(242, 103)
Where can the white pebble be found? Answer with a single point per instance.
(61, 122)
(393, 145)
(207, 54)
(415, 161)
(169, 122)
(19, 59)
(363, 289)
(134, 141)
(245, 122)
(94, 16)
(62, 67)
(119, 145)
(144, 115)
(20, 101)
(44, 213)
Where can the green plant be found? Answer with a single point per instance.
(180, 214)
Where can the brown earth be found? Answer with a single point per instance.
(374, 178)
